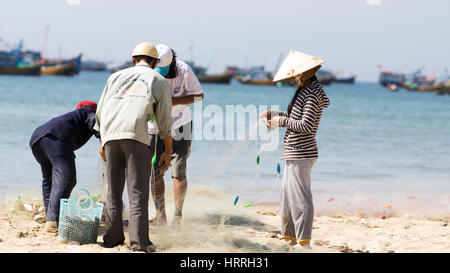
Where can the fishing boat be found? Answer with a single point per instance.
(325, 77)
(256, 75)
(387, 77)
(249, 80)
(419, 82)
(201, 73)
(18, 62)
(67, 67)
(350, 79)
(223, 78)
(442, 87)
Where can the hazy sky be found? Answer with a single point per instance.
(353, 36)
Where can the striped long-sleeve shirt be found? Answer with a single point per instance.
(302, 123)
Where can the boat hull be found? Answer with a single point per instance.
(344, 80)
(221, 78)
(59, 69)
(425, 88)
(326, 80)
(268, 81)
(25, 70)
(61, 65)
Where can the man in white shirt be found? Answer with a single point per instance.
(186, 89)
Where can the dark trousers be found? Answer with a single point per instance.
(134, 157)
(57, 162)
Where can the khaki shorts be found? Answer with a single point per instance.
(181, 146)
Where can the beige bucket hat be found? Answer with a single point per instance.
(146, 49)
(295, 63)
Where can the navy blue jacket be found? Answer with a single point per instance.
(74, 128)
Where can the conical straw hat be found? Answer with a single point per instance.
(296, 63)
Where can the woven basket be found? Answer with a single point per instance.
(79, 218)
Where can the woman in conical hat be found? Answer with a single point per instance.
(300, 148)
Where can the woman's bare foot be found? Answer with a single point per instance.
(305, 244)
(291, 241)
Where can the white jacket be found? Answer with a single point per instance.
(130, 99)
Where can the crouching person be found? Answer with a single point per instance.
(53, 145)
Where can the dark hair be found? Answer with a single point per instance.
(147, 59)
(294, 98)
(173, 73)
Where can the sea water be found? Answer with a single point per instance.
(374, 145)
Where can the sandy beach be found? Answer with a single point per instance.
(211, 226)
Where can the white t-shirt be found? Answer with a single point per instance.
(185, 84)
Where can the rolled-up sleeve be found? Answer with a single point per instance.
(163, 109)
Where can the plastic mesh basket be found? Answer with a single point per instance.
(79, 218)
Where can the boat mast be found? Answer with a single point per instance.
(210, 61)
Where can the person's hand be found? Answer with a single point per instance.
(165, 158)
(102, 153)
(265, 117)
(274, 122)
(266, 114)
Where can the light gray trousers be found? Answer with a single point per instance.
(134, 157)
(297, 210)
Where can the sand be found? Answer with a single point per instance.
(209, 225)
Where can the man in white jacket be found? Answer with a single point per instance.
(130, 99)
(185, 90)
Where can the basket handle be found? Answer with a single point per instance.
(81, 198)
(74, 194)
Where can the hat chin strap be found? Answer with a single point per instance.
(304, 78)
(297, 81)
(301, 80)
